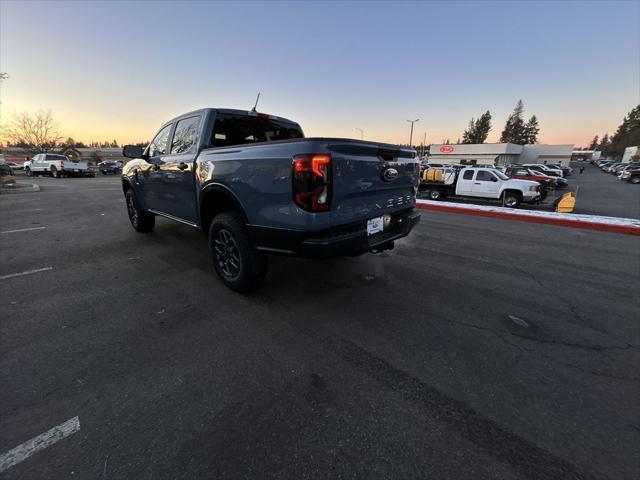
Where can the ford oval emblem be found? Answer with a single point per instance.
(389, 174)
(446, 149)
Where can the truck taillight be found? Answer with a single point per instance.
(311, 180)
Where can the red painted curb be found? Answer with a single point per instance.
(627, 229)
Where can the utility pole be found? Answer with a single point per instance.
(361, 133)
(411, 135)
(424, 143)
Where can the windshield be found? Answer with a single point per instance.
(500, 175)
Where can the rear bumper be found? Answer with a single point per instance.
(351, 239)
(74, 172)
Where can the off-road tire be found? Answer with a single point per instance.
(240, 266)
(141, 221)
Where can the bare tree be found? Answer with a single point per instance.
(37, 132)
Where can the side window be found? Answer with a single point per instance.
(159, 144)
(484, 176)
(522, 172)
(185, 137)
(468, 175)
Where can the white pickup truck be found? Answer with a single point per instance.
(55, 165)
(474, 182)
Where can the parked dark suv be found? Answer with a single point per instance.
(110, 167)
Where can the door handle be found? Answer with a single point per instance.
(182, 166)
(477, 183)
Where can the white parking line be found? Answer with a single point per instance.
(42, 441)
(28, 272)
(23, 230)
(22, 210)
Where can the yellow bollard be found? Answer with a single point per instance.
(566, 203)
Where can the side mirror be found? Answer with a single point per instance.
(494, 179)
(132, 151)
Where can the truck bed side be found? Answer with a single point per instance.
(259, 176)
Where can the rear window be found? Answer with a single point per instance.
(232, 129)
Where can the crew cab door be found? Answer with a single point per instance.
(37, 164)
(486, 185)
(149, 176)
(464, 186)
(177, 177)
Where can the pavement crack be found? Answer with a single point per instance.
(572, 308)
(502, 334)
(588, 347)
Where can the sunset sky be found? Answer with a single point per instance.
(118, 70)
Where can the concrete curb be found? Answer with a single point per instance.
(626, 226)
(19, 188)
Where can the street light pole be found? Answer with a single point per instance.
(361, 133)
(411, 135)
(424, 143)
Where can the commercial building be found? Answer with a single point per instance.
(586, 155)
(499, 154)
(475, 154)
(630, 152)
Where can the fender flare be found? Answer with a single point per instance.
(227, 192)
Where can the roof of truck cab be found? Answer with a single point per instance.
(226, 110)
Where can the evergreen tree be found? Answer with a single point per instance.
(627, 134)
(482, 128)
(514, 128)
(594, 143)
(468, 134)
(478, 130)
(531, 130)
(605, 145)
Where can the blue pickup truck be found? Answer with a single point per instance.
(257, 186)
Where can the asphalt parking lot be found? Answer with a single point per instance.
(478, 348)
(601, 193)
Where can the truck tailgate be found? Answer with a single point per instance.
(79, 166)
(370, 179)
